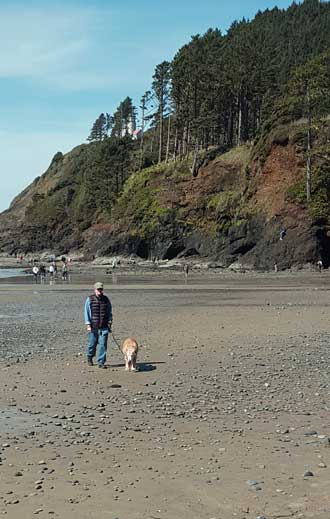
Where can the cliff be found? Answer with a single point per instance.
(232, 210)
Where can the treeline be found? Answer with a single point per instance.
(220, 89)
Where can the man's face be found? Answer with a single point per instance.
(98, 292)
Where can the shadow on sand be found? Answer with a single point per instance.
(141, 366)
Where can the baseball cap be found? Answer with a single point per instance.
(98, 285)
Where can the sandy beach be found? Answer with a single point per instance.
(228, 415)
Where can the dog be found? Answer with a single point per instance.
(130, 350)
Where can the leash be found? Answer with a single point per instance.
(115, 341)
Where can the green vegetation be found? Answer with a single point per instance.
(296, 193)
(318, 207)
(139, 204)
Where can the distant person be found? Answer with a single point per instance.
(186, 269)
(35, 271)
(320, 265)
(64, 272)
(42, 272)
(275, 267)
(51, 271)
(98, 319)
(282, 233)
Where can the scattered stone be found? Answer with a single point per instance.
(308, 474)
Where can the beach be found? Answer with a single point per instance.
(228, 415)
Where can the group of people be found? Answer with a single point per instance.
(40, 273)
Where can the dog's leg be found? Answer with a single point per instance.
(126, 363)
(134, 363)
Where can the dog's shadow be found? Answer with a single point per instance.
(141, 366)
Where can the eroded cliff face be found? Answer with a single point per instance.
(232, 210)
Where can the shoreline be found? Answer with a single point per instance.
(202, 266)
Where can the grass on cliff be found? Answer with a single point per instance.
(139, 205)
(318, 208)
(156, 196)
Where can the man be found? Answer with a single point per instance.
(98, 319)
(35, 270)
(64, 271)
(51, 271)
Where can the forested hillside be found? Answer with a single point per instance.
(262, 89)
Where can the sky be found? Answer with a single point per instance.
(64, 62)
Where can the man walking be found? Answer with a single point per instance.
(98, 319)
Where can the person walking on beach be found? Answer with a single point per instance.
(64, 272)
(51, 271)
(320, 265)
(35, 270)
(42, 273)
(98, 319)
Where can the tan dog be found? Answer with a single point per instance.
(130, 350)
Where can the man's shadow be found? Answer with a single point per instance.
(141, 366)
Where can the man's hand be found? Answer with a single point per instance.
(89, 328)
(110, 325)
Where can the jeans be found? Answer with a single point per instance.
(98, 337)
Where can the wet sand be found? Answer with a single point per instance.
(227, 417)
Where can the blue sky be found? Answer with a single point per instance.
(64, 62)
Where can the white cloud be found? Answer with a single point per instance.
(47, 45)
(78, 48)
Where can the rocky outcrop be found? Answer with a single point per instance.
(232, 210)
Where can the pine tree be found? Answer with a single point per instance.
(99, 129)
(161, 90)
(144, 106)
(124, 119)
(309, 98)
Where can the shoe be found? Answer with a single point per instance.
(90, 362)
(102, 366)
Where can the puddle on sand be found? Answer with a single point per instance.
(14, 420)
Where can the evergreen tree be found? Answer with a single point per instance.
(145, 117)
(124, 119)
(99, 129)
(309, 98)
(161, 90)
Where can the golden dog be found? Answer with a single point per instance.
(130, 350)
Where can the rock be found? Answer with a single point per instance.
(308, 474)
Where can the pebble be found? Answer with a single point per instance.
(308, 474)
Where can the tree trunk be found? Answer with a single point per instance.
(309, 149)
(193, 167)
(142, 136)
(239, 122)
(168, 138)
(152, 140)
(184, 141)
(175, 144)
(160, 134)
